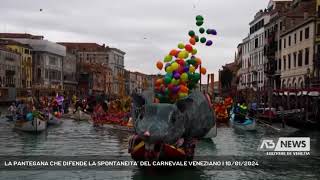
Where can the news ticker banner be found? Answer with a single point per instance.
(124, 163)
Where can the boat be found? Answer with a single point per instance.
(53, 120)
(114, 121)
(78, 116)
(36, 125)
(248, 125)
(116, 127)
(138, 150)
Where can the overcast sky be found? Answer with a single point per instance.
(145, 29)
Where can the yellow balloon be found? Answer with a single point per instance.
(175, 82)
(194, 51)
(174, 66)
(169, 69)
(192, 69)
(181, 46)
(185, 54)
(181, 55)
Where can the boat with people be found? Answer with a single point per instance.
(115, 114)
(242, 121)
(54, 119)
(35, 124)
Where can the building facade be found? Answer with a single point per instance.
(70, 82)
(252, 57)
(26, 60)
(297, 55)
(9, 68)
(94, 67)
(116, 63)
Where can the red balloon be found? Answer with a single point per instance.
(170, 86)
(174, 52)
(192, 41)
(188, 47)
(180, 61)
(181, 69)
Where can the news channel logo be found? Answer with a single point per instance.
(295, 146)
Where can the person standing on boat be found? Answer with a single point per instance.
(21, 110)
(13, 111)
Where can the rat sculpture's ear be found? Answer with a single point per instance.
(184, 104)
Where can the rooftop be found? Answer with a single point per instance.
(20, 35)
(84, 46)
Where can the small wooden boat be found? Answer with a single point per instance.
(249, 124)
(78, 116)
(140, 151)
(116, 127)
(36, 125)
(52, 120)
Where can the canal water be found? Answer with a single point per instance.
(81, 139)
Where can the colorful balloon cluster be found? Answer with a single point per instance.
(195, 38)
(180, 66)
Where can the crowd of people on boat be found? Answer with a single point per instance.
(240, 108)
(99, 108)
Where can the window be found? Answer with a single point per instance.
(289, 41)
(39, 73)
(280, 44)
(289, 61)
(53, 61)
(256, 43)
(306, 56)
(318, 29)
(295, 38)
(301, 35)
(300, 58)
(280, 26)
(284, 43)
(284, 62)
(295, 59)
(306, 33)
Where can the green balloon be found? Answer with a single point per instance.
(191, 33)
(199, 17)
(202, 30)
(208, 31)
(166, 91)
(197, 38)
(199, 23)
(203, 40)
(167, 79)
(197, 76)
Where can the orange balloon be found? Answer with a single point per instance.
(174, 52)
(159, 65)
(192, 41)
(203, 70)
(184, 89)
(198, 60)
(159, 82)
